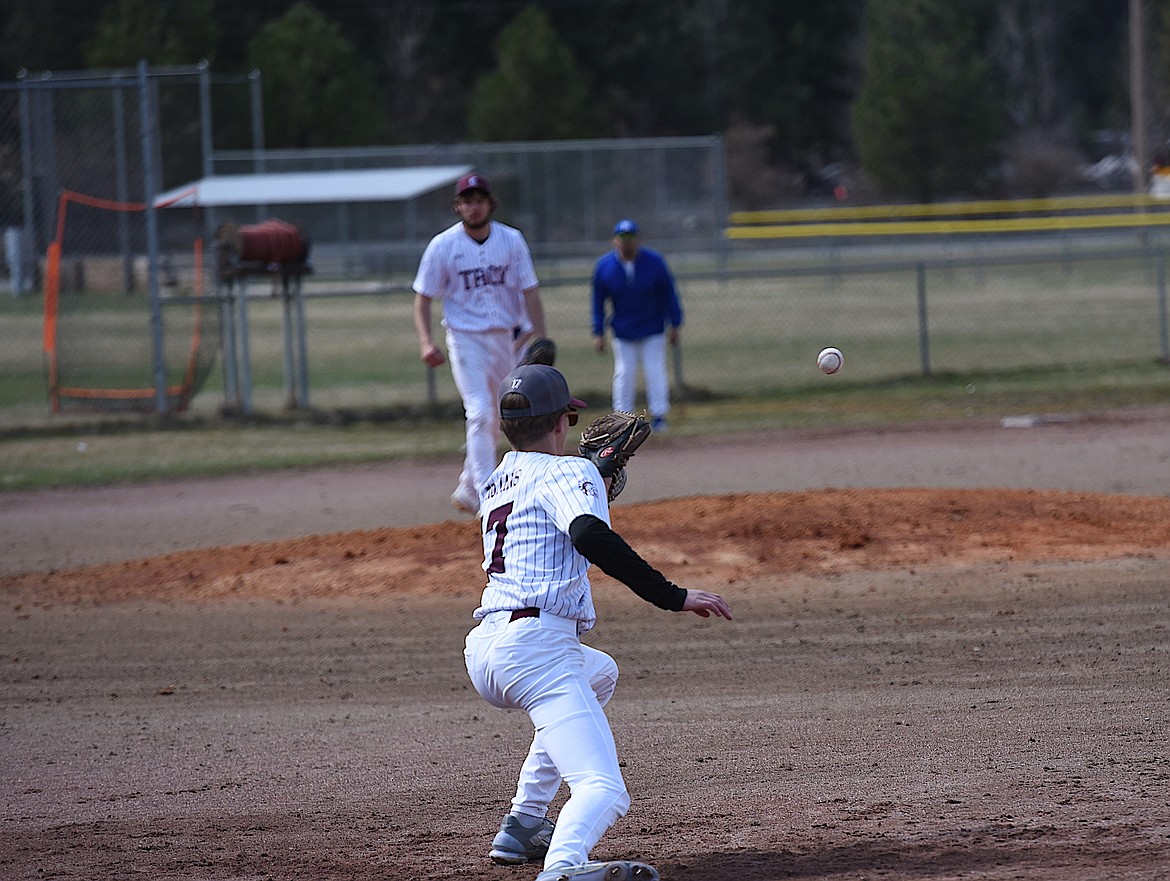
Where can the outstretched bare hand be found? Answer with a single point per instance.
(706, 604)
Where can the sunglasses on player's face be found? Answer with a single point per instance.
(572, 414)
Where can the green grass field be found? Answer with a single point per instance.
(1057, 335)
(77, 452)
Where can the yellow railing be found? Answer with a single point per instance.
(1042, 215)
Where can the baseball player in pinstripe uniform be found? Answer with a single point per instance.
(545, 518)
(482, 272)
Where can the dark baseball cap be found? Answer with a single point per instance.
(544, 387)
(473, 181)
(625, 227)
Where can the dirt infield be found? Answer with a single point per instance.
(920, 683)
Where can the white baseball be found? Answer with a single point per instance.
(830, 360)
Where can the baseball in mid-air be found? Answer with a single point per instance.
(830, 360)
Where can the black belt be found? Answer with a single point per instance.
(530, 612)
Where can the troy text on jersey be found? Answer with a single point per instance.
(483, 276)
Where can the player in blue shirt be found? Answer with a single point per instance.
(645, 314)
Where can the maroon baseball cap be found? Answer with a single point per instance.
(473, 181)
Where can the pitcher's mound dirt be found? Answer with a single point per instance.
(710, 540)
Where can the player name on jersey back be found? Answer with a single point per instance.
(500, 483)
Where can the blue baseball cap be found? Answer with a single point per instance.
(625, 227)
(544, 387)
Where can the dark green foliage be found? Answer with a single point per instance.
(800, 74)
(926, 119)
(160, 31)
(45, 34)
(536, 92)
(317, 91)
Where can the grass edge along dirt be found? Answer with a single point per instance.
(82, 451)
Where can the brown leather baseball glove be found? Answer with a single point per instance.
(609, 441)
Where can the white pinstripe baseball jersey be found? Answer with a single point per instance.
(527, 504)
(481, 285)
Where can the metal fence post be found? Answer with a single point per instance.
(256, 109)
(1163, 330)
(923, 331)
(149, 128)
(206, 142)
(122, 190)
(28, 235)
(244, 361)
(46, 182)
(722, 208)
(288, 360)
(256, 104)
(302, 345)
(229, 346)
(296, 352)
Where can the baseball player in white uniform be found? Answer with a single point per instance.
(545, 518)
(482, 271)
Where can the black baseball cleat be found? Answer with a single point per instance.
(516, 844)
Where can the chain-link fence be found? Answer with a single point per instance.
(565, 196)
(113, 141)
(750, 328)
(758, 330)
(115, 135)
(122, 323)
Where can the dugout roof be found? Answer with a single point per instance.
(305, 187)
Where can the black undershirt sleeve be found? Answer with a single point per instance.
(608, 551)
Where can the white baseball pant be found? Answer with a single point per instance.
(479, 363)
(540, 666)
(649, 353)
